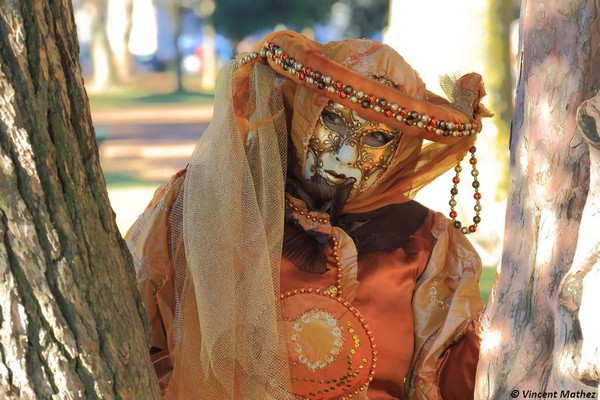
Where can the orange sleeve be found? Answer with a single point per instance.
(148, 240)
(457, 374)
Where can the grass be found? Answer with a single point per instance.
(146, 88)
(116, 180)
(488, 277)
(132, 97)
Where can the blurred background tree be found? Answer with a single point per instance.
(356, 18)
(196, 37)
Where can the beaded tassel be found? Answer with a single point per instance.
(477, 196)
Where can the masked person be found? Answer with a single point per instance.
(288, 260)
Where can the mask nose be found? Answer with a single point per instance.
(347, 154)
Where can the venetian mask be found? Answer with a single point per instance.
(345, 146)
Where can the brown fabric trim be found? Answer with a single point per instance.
(306, 250)
(386, 229)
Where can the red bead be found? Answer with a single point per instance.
(301, 76)
(308, 70)
(388, 113)
(343, 95)
(285, 56)
(472, 228)
(338, 84)
(434, 122)
(404, 111)
(461, 134)
(477, 196)
(270, 45)
(473, 161)
(430, 128)
(372, 98)
(453, 214)
(455, 180)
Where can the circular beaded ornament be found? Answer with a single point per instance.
(331, 350)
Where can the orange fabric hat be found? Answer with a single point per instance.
(375, 81)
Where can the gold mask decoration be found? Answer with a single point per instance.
(344, 146)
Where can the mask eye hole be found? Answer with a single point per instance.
(333, 121)
(377, 138)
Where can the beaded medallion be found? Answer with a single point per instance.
(331, 350)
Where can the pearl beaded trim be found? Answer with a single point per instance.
(368, 101)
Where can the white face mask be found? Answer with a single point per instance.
(345, 146)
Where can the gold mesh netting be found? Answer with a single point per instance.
(227, 336)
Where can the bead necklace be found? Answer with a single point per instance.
(477, 196)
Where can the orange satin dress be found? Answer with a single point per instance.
(420, 301)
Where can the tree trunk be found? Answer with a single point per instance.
(539, 334)
(70, 316)
(176, 11)
(104, 69)
(499, 85)
(209, 59)
(122, 57)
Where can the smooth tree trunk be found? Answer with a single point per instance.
(541, 331)
(122, 57)
(70, 316)
(104, 65)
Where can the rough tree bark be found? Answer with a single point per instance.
(539, 334)
(70, 318)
